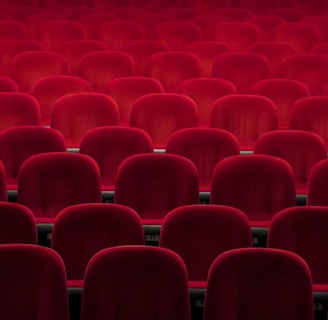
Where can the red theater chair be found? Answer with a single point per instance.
(149, 20)
(125, 90)
(32, 21)
(207, 52)
(265, 23)
(284, 93)
(302, 230)
(276, 52)
(302, 36)
(177, 34)
(258, 185)
(91, 21)
(7, 84)
(301, 149)
(182, 13)
(100, 67)
(317, 190)
(74, 114)
(256, 6)
(238, 35)
(320, 22)
(76, 12)
(53, 33)
(246, 116)
(311, 114)
(239, 280)
(205, 147)
(50, 182)
(18, 109)
(9, 49)
(28, 67)
(309, 68)
(171, 68)
(74, 50)
(12, 30)
(153, 192)
(199, 233)
(17, 224)
(243, 69)
(33, 278)
(158, 282)
(208, 23)
(109, 146)
(161, 114)
(81, 230)
(48, 89)
(288, 14)
(116, 33)
(19, 143)
(204, 91)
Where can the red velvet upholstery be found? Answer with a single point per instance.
(310, 68)
(53, 33)
(243, 69)
(76, 12)
(161, 114)
(303, 230)
(246, 116)
(3, 183)
(125, 90)
(317, 194)
(311, 114)
(205, 147)
(238, 35)
(259, 283)
(19, 143)
(171, 68)
(49, 182)
(17, 225)
(75, 114)
(9, 49)
(156, 288)
(258, 185)
(18, 109)
(284, 93)
(199, 233)
(109, 146)
(177, 34)
(28, 67)
(33, 283)
(154, 184)
(82, 230)
(48, 89)
(301, 149)
(204, 91)
(100, 67)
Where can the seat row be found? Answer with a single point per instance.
(153, 184)
(158, 282)
(247, 117)
(205, 6)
